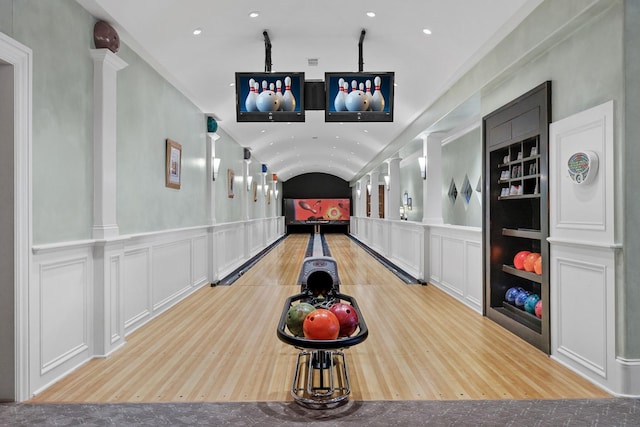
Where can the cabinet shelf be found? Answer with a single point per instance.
(522, 232)
(521, 196)
(521, 273)
(521, 316)
(516, 210)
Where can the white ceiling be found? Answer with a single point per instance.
(204, 66)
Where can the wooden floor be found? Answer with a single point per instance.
(220, 344)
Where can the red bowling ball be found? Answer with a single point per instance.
(518, 260)
(347, 317)
(321, 324)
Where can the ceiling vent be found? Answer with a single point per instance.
(312, 62)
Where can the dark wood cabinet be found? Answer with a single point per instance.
(516, 212)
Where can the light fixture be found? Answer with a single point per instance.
(197, 31)
(369, 188)
(266, 189)
(358, 189)
(216, 166)
(254, 14)
(422, 161)
(387, 178)
(249, 181)
(276, 193)
(371, 14)
(427, 31)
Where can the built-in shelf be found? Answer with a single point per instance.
(522, 232)
(522, 273)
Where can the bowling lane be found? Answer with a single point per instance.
(220, 344)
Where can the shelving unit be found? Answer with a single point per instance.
(516, 217)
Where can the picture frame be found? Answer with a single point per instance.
(255, 191)
(230, 177)
(268, 197)
(173, 164)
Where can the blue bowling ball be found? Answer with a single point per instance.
(530, 303)
(512, 293)
(521, 298)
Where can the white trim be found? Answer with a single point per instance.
(20, 57)
(476, 124)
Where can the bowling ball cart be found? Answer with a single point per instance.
(321, 377)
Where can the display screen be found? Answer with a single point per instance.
(266, 97)
(314, 211)
(365, 97)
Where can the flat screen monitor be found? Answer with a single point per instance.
(317, 211)
(368, 97)
(271, 99)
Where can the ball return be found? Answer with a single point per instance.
(321, 377)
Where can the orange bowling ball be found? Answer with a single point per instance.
(530, 260)
(321, 324)
(537, 266)
(518, 260)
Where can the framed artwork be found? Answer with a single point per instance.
(230, 176)
(173, 165)
(268, 197)
(255, 191)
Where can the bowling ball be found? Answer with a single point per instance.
(295, 317)
(347, 317)
(537, 266)
(321, 324)
(267, 101)
(521, 298)
(518, 260)
(357, 101)
(530, 303)
(530, 260)
(512, 293)
(538, 309)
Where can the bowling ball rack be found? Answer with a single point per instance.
(321, 377)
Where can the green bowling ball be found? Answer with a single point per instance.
(295, 317)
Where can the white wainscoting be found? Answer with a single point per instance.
(85, 297)
(448, 256)
(455, 262)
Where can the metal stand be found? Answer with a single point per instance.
(327, 378)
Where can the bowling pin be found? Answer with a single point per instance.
(279, 91)
(250, 101)
(304, 205)
(265, 86)
(338, 102)
(354, 86)
(377, 99)
(369, 94)
(288, 98)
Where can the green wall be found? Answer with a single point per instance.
(462, 157)
(150, 110)
(60, 34)
(411, 182)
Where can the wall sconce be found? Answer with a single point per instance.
(422, 161)
(266, 190)
(369, 188)
(216, 166)
(387, 178)
(275, 193)
(358, 189)
(249, 181)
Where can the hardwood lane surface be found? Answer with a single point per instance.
(220, 344)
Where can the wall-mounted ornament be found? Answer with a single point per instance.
(466, 189)
(453, 191)
(105, 37)
(212, 125)
(583, 167)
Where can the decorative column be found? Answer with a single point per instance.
(108, 321)
(105, 68)
(374, 178)
(432, 188)
(393, 199)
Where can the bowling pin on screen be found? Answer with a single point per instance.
(263, 97)
(364, 97)
(305, 211)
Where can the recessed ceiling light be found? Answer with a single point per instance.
(427, 31)
(371, 14)
(197, 31)
(232, 84)
(254, 14)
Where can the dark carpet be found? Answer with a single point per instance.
(579, 412)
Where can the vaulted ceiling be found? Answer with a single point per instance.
(313, 37)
